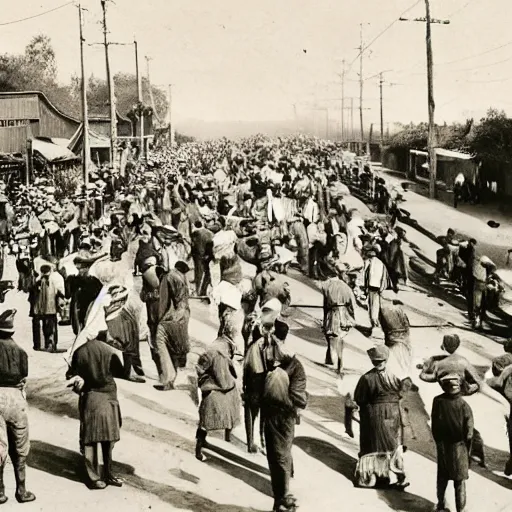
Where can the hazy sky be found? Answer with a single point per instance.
(245, 60)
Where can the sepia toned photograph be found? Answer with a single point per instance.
(256, 256)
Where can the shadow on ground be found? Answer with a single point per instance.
(67, 464)
(344, 464)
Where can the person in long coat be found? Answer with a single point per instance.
(220, 404)
(378, 396)
(452, 430)
(172, 339)
(284, 396)
(93, 368)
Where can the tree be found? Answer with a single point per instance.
(490, 143)
(40, 57)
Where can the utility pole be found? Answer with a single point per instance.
(361, 81)
(352, 117)
(86, 153)
(139, 98)
(343, 102)
(432, 164)
(172, 132)
(381, 83)
(110, 83)
(148, 59)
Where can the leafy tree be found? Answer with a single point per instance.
(40, 57)
(490, 143)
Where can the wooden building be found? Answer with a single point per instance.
(26, 115)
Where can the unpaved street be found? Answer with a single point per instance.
(156, 459)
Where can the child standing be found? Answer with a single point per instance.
(452, 429)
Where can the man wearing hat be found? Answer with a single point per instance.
(284, 395)
(453, 431)
(43, 304)
(172, 340)
(14, 438)
(470, 381)
(268, 330)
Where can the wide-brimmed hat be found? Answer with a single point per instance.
(7, 321)
(378, 353)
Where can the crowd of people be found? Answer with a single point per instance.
(115, 262)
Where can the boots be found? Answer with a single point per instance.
(22, 495)
(200, 444)
(3, 497)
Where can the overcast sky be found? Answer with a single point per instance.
(252, 60)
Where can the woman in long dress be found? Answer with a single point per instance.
(378, 397)
(220, 405)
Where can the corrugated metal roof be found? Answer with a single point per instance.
(96, 117)
(52, 152)
(447, 153)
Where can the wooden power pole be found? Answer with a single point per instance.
(139, 99)
(432, 161)
(361, 82)
(86, 152)
(381, 83)
(110, 83)
(172, 132)
(343, 102)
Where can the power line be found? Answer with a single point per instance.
(35, 15)
(380, 34)
(460, 9)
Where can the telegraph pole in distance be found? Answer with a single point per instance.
(110, 83)
(86, 154)
(343, 102)
(172, 133)
(361, 81)
(381, 83)
(432, 164)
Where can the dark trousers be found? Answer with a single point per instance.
(92, 467)
(313, 262)
(251, 411)
(152, 307)
(50, 331)
(132, 361)
(201, 275)
(460, 492)
(279, 435)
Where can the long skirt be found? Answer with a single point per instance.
(220, 410)
(381, 437)
(400, 360)
(101, 417)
